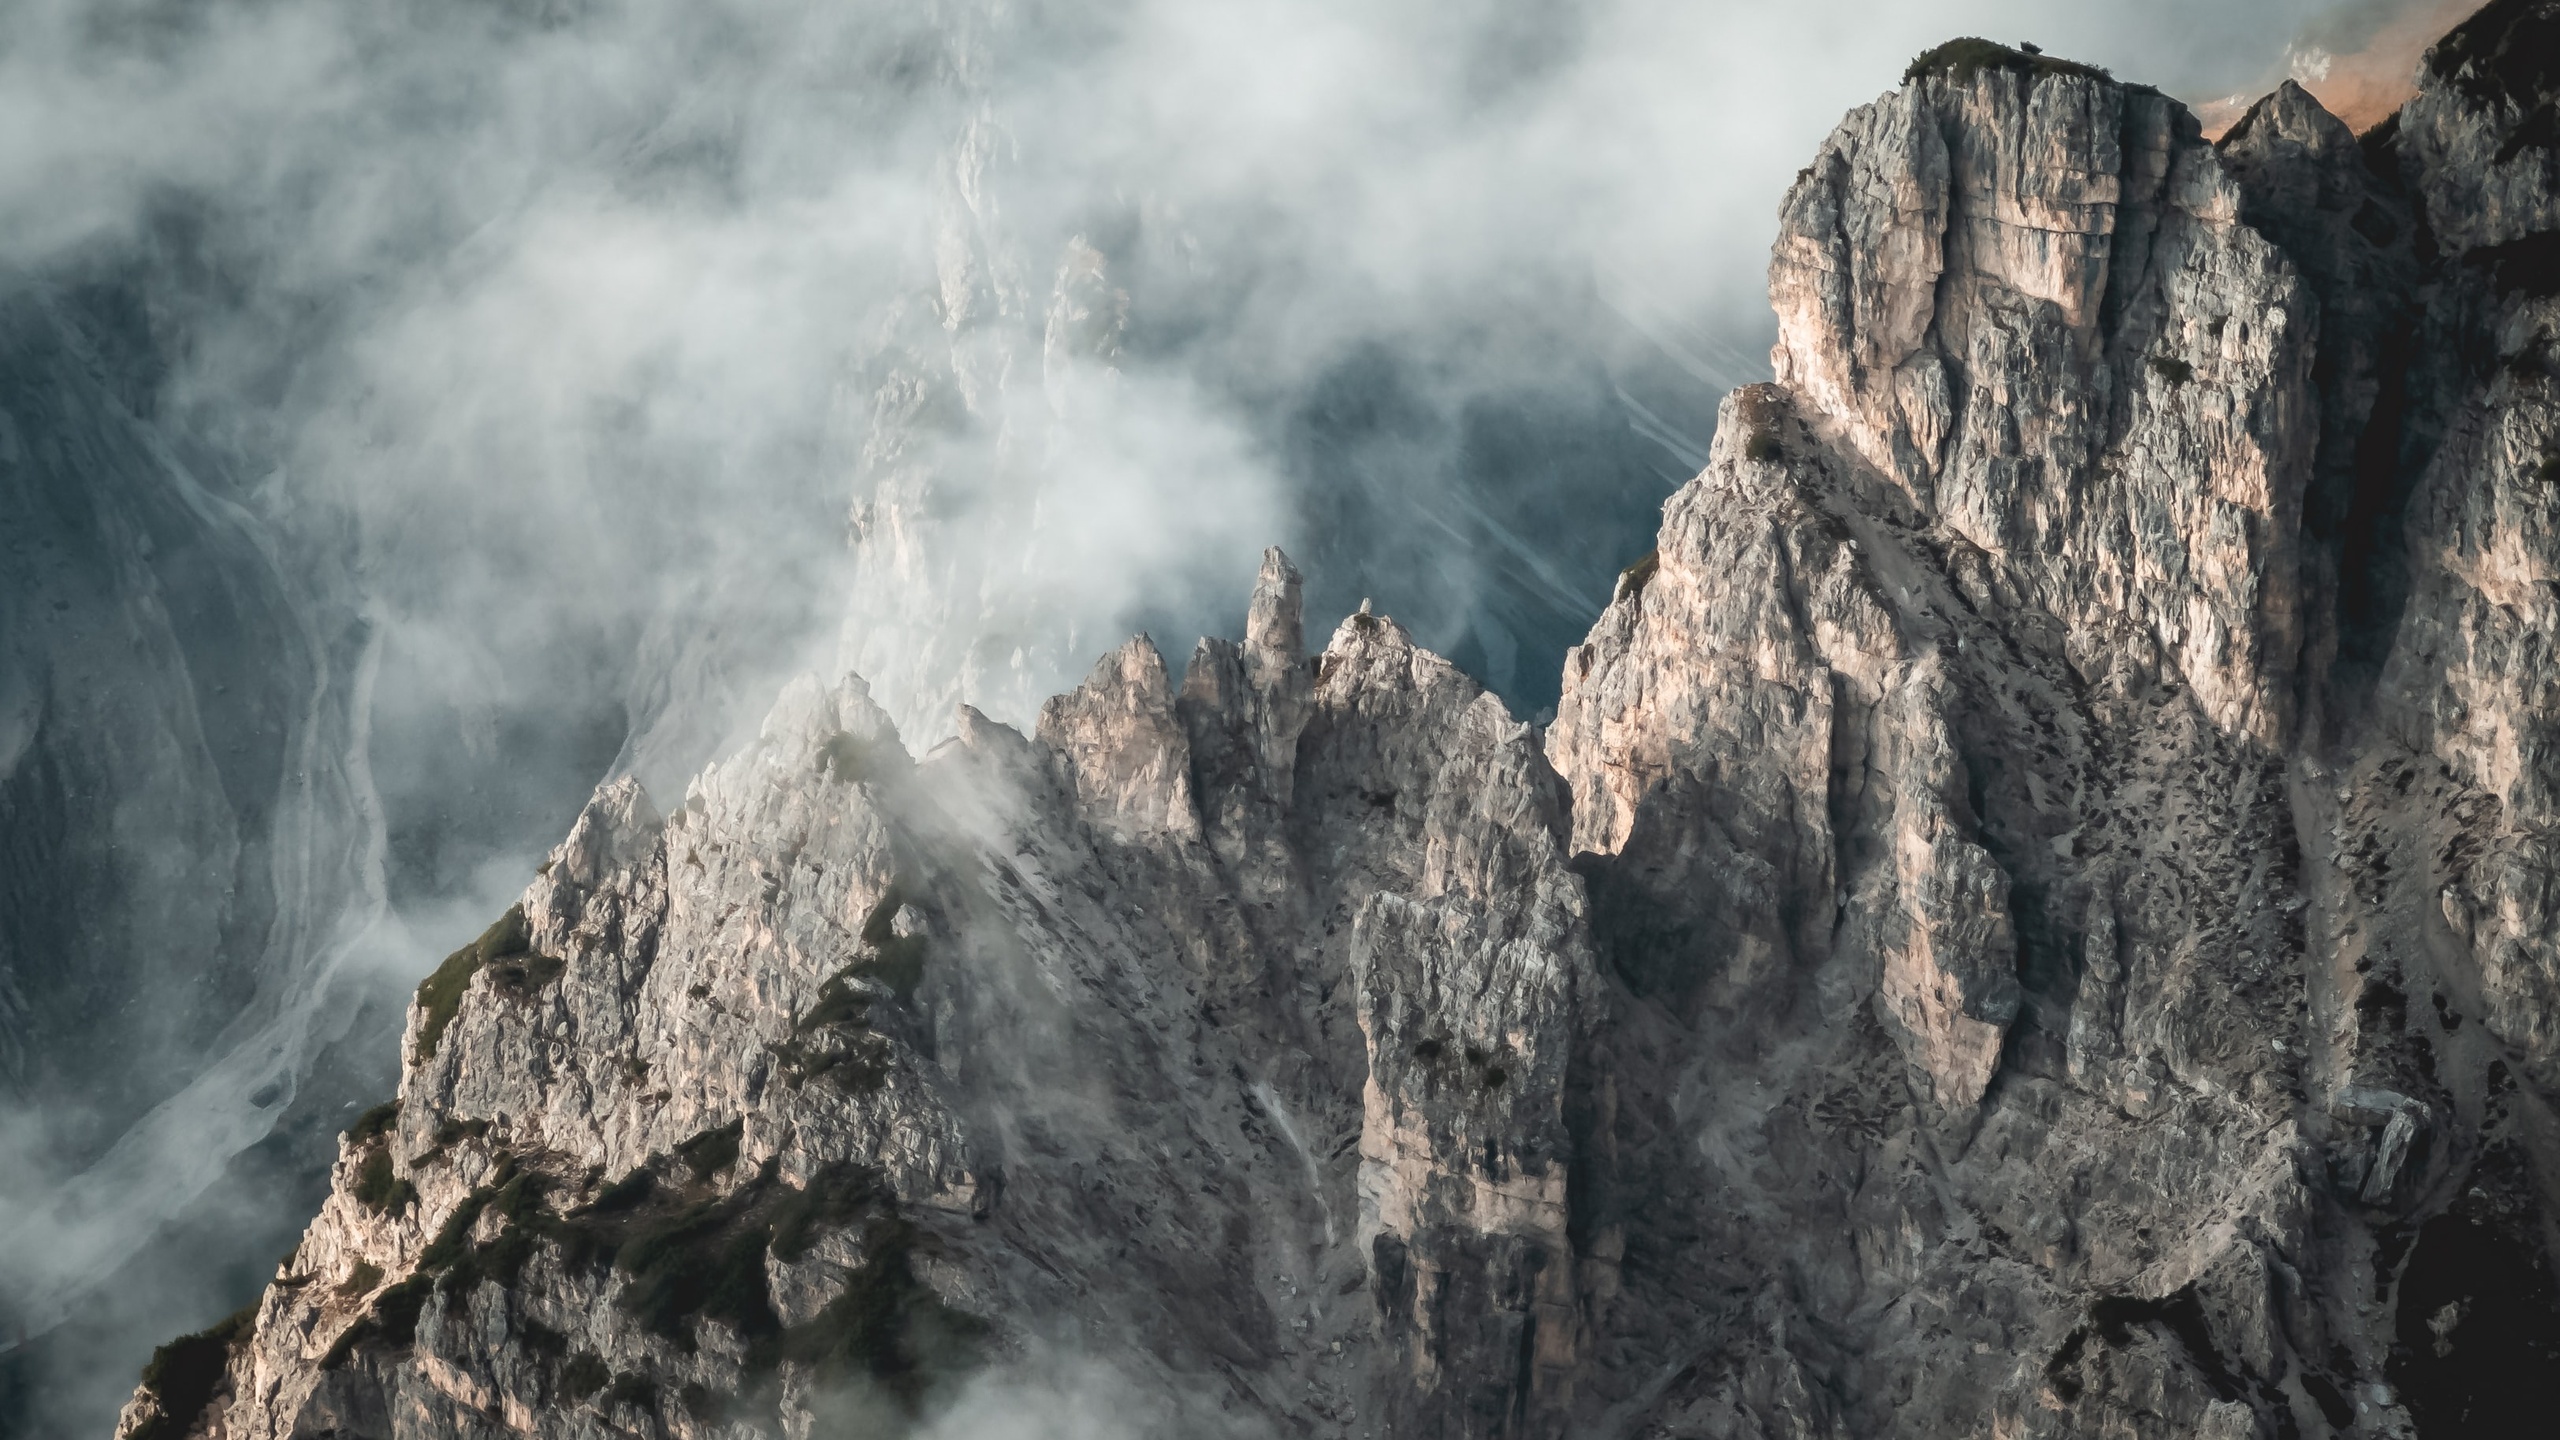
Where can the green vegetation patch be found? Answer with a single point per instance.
(833, 1200)
(1444, 1063)
(630, 1388)
(542, 1340)
(888, 1326)
(1633, 579)
(858, 1069)
(685, 1257)
(440, 996)
(832, 1040)
(360, 1282)
(450, 1132)
(2528, 266)
(453, 1238)
(709, 1406)
(393, 1321)
(705, 1261)
(627, 1193)
(375, 1123)
(837, 1051)
(849, 759)
(514, 1195)
(1763, 446)
(183, 1374)
(838, 1004)
(1963, 59)
(519, 977)
(451, 1262)
(379, 1186)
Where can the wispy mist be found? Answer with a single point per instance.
(594, 364)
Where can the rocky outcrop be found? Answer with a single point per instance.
(2480, 141)
(2030, 918)
(2225, 844)
(2026, 295)
(1072, 1026)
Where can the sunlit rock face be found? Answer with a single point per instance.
(2027, 296)
(2031, 917)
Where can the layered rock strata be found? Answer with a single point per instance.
(2032, 916)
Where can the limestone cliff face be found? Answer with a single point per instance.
(2153, 828)
(2026, 295)
(2032, 917)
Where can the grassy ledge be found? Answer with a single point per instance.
(1963, 59)
(507, 945)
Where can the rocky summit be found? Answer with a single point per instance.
(2035, 915)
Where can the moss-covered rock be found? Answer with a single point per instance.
(1633, 579)
(379, 1185)
(183, 1374)
(374, 1124)
(440, 995)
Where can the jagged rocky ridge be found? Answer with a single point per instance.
(258, 683)
(2032, 917)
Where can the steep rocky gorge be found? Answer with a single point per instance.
(2033, 916)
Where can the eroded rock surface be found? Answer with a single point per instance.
(2032, 917)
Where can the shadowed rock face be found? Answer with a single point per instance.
(2032, 917)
